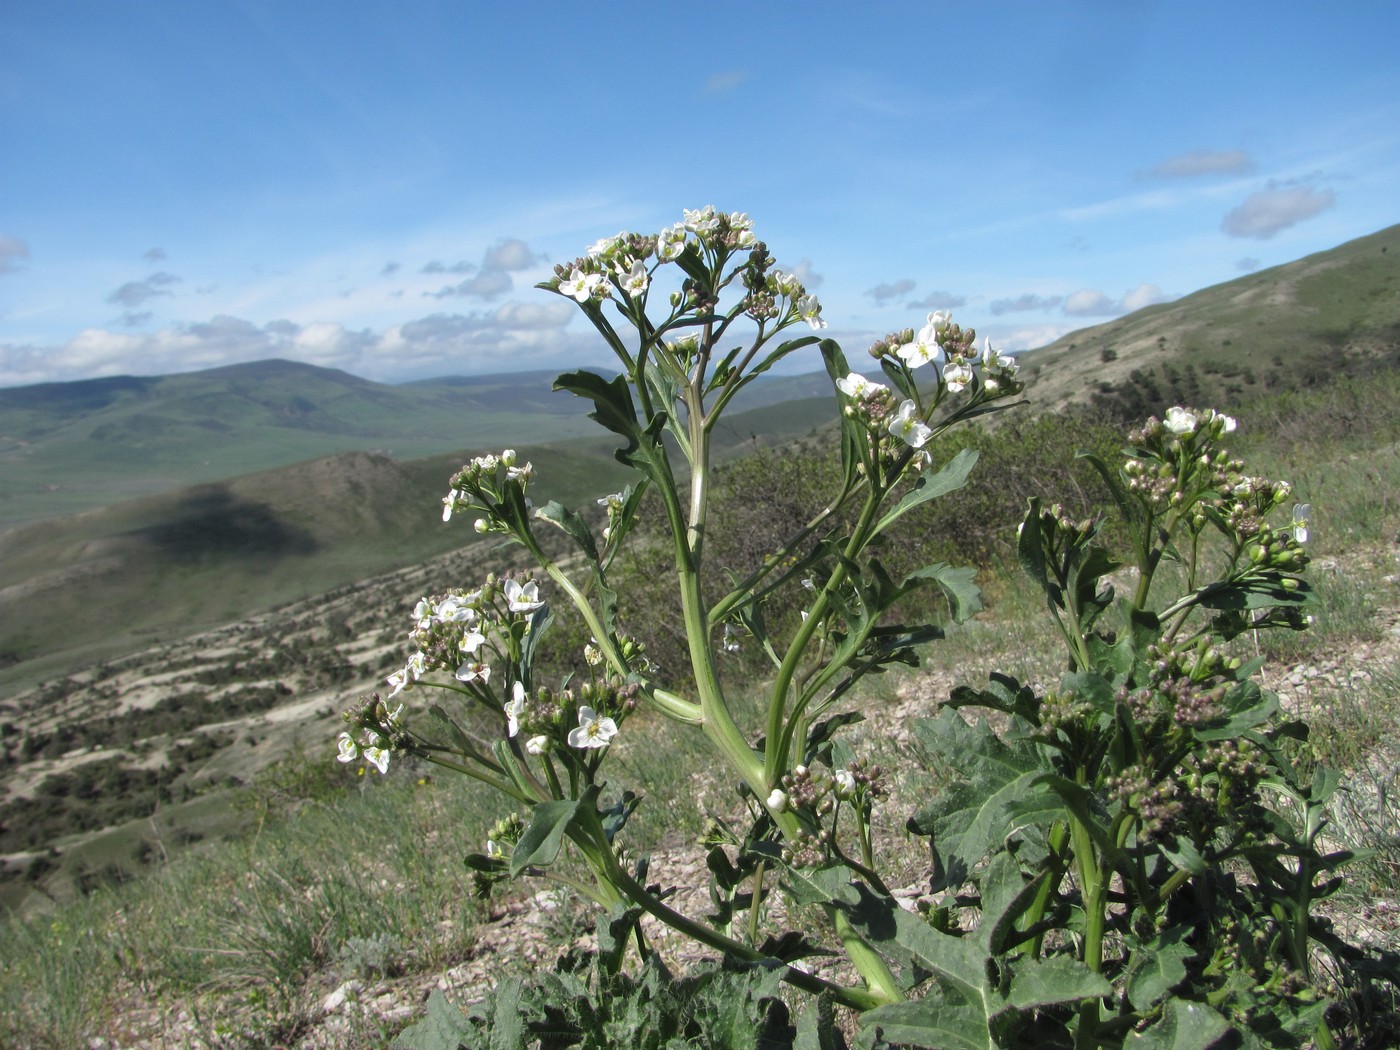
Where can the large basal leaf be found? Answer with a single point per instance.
(444, 1028)
(1184, 1026)
(977, 815)
(1157, 966)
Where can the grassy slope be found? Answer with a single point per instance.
(1288, 327)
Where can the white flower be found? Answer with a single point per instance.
(702, 220)
(845, 783)
(1227, 423)
(537, 745)
(449, 503)
(781, 283)
(635, 281)
(921, 351)
(592, 656)
(493, 849)
(936, 320)
(606, 245)
(522, 474)
(471, 642)
(523, 598)
(398, 681)
(908, 427)
(1302, 513)
(857, 387)
(349, 750)
(1004, 363)
(592, 731)
(731, 641)
(1180, 421)
(423, 613)
(957, 375)
(378, 757)
(613, 501)
(473, 671)
(584, 286)
(670, 243)
(810, 311)
(515, 708)
(777, 800)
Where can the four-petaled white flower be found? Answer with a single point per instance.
(592, 731)
(471, 641)
(777, 800)
(378, 757)
(998, 361)
(1180, 421)
(1227, 423)
(635, 280)
(845, 783)
(810, 310)
(857, 387)
(1302, 514)
(957, 375)
(473, 671)
(923, 350)
(523, 598)
(349, 750)
(908, 427)
(398, 682)
(515, 708)
(537, 745)
(584, 286)
(449, 503)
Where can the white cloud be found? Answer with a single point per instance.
(1089, 302)
(1202, 162)
(514, 336)
(13, 252)
(810, 278)
(1266, 212)
(1143, 295)
(509, 254)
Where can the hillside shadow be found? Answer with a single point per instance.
(212, 521)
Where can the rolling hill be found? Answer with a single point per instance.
(71, 447)
(1288, 327)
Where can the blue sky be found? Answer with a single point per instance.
(378, 186)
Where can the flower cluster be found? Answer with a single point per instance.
(585, 718)
(624, 265)
(374, 732)
(481, 485)
(908, 420)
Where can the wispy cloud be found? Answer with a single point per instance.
(492, 278)
(1265, 213)
(1025, 303)
(883, 293)
(1201, 162)
(13, 252)
(938, 301)
(154, 255)
(725, 81)
(135, 293)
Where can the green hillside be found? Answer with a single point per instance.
(1288, 327)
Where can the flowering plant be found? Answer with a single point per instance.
(1076, 834)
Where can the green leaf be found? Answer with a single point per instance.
(816, 1027)
(951, 477)
(1059, 979)
(445, 1028)
(1157, 966)
(1030, 552)
(540, 844)
(573, 525)
(1184, 1026)
(964, 596)
(942, 1020)
(855, 441)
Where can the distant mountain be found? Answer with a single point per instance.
(1336, 312)
(69, 447)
